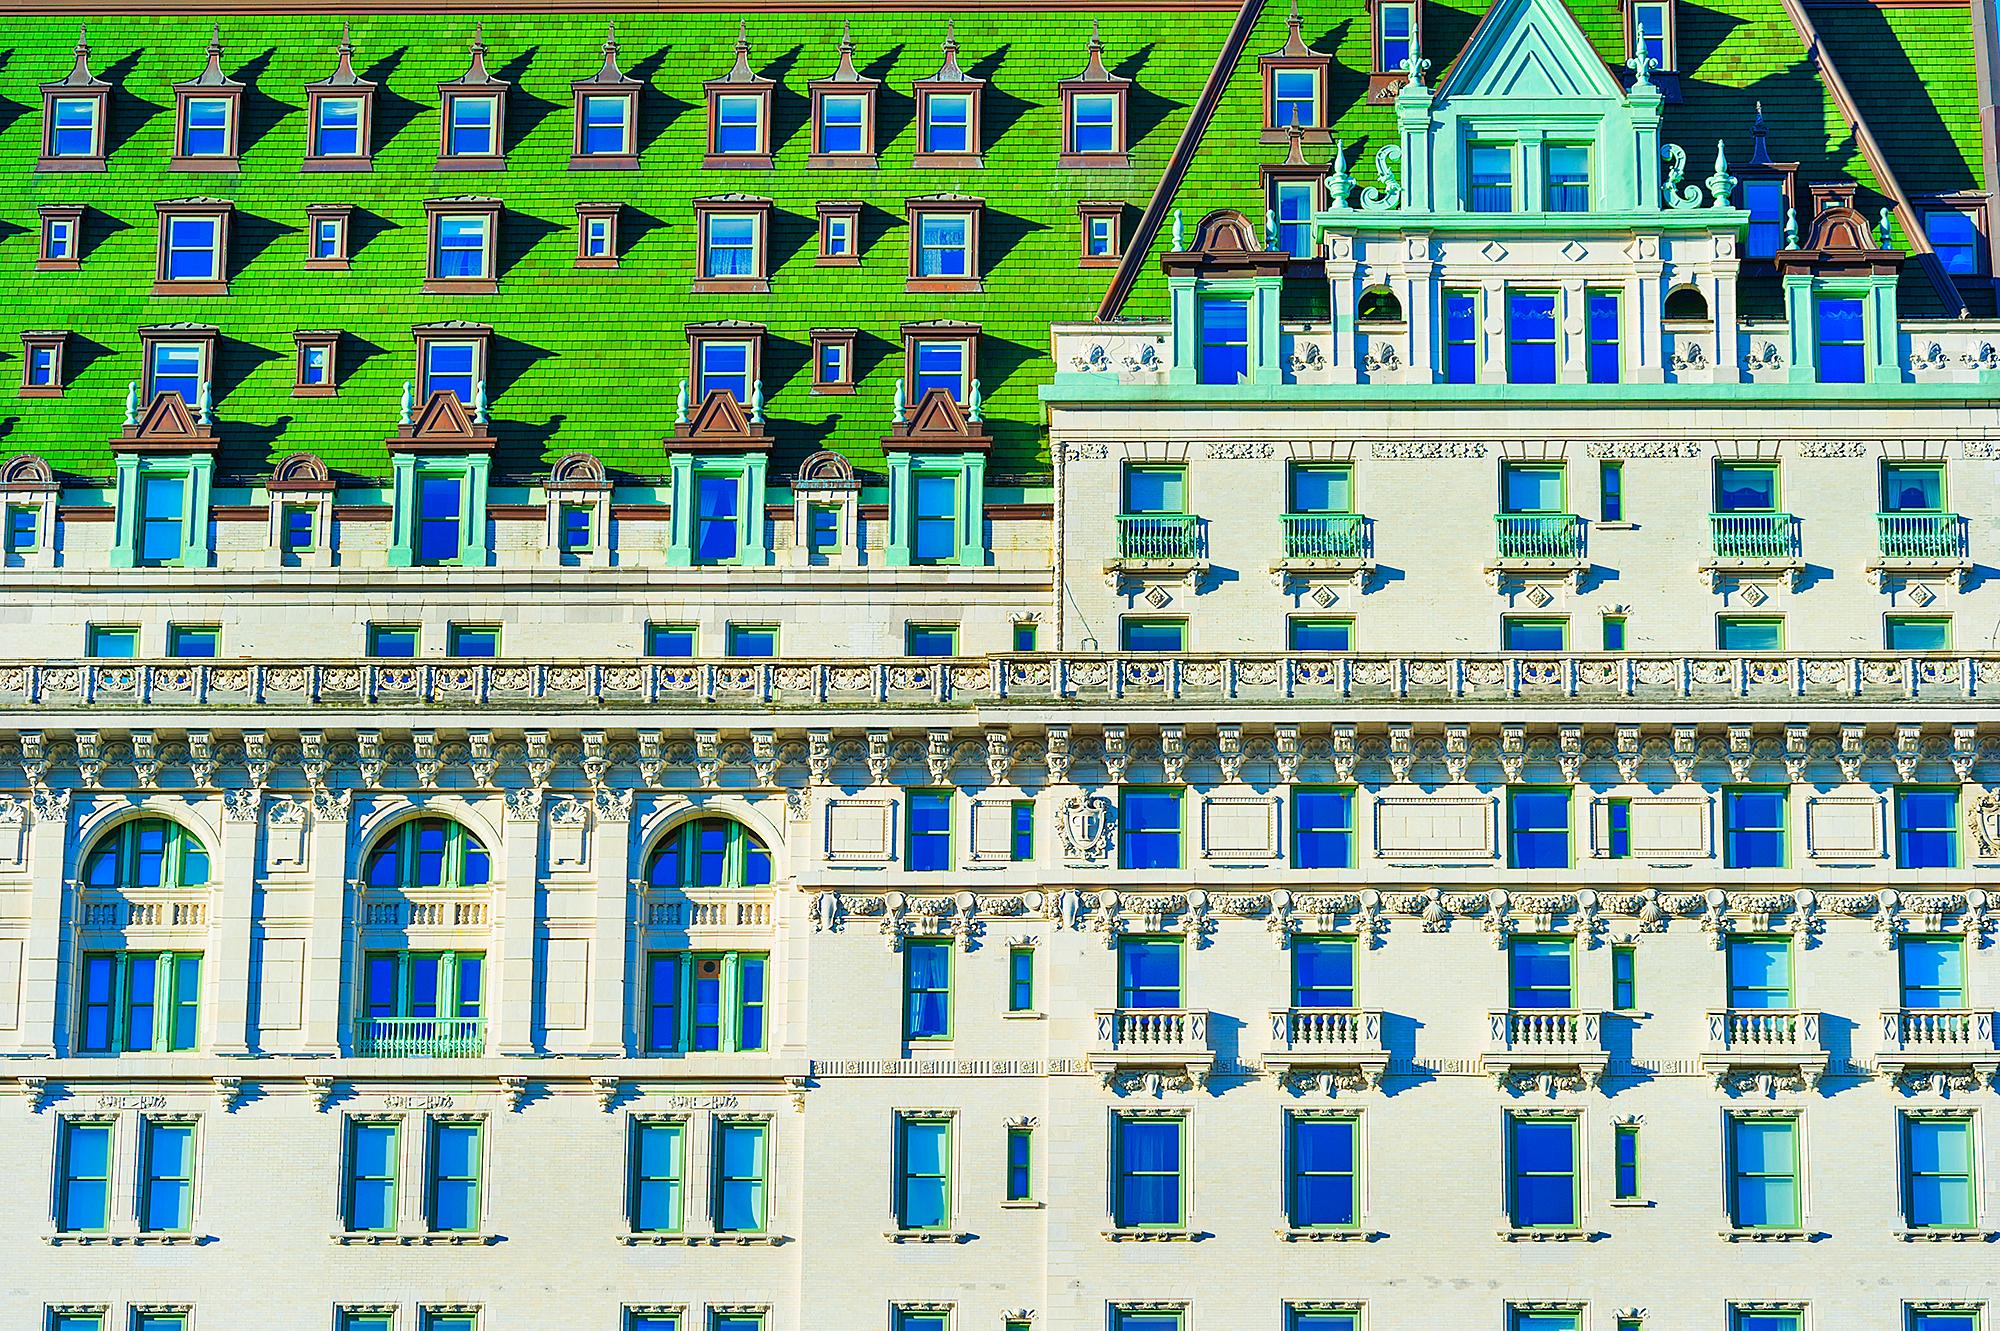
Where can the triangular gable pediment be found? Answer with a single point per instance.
(1530, 50)
(938, 414)
(167, 426)
(938, 424)
(444, 425)
(719, 423)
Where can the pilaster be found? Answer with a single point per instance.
(512, 1022)
(226, 990)
(330, 971)
(611, 969)
(46, 965)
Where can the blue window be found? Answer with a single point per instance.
(1395, 37)
(940, 364)
(1293, 201)
(1152, 635)
(922, 1319)
(841, 123)
(93, 1321)
(1625, 1161)
(166, 1177)
(1760, 973)
(41, 367)
(717, 523)
(1753, 828)
(1322, 829)
(1601, 338)
(454, 1177)
(1933, 973)
(449, 367)
(1611, 490)
(831, 363)
(739, 123)
(193, 249)
(162, 518)
(1955, 237)
(927, 990)
(947, 123)
(735, 1321)
(473, 121)
(1132, 1319)
(652, 1321)
(1765, 201)
(659, 1176)
(177, 367)
(1021, 830)
(338, 130)
(1763, 1173)
(1538, 827)
(740, 1164)
(391, 641)
(1527, 633)
(1313, 1319)
(606, 126)
(74, 133)
(1938, 1190)
(1531, 337)
(1750, 633)
(923, 1173)
(1149, 972)
(1843, 343)
(1322, 1184)
(1917, 633)
(573, 529)
(1949, 1319)
(1461, 337)
(439, 508)
(1541, 973)
(1025, 636)
(461, 247)
(730, 246)
(1618, 829)
(1093, 123)
(750, 639)
(149, 1319)
(1649, 31)
(928, 848)
(1760, 1319)
(205, 131)
(134, 1002)
(1147, 1190)
(930, 640)
(1490, 178)
(1224, 335)
(1746, 487)
(1624, 977)
(934, 521)
(670, 640)
(723, 365)
(1927, 828)
(1020, 979)
(1521, 1319)
(1294, 98)
(1569, 178)
(705, 1002)
(1542, 1174)
(1614, 632)
(822, 529)
(1532, 487)
(467, 640)
(944, 245)
(1149, 828)
(1020, 1163)
(83, 1183)
(1323, 972)
(1318, 634)
(374, 1151)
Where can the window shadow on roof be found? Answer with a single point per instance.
(130, 112)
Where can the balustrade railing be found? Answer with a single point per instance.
(1327, 1029)
(420, 1037)
(1169, 536)
(143, 909)
(1922, 536)
(1938, 1030)
(1764, 1031)
(1327, 536)
(1153, 1030)
(1551, 1030)
(1539, 535)
(1753, 535)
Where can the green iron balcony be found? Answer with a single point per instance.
(420, 1037)
(1921, 537)
(1327, 536)
(1754, 536)
(1170, 537)
(1550, 536)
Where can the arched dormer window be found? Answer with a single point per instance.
(146, 852)
(710, 852)
(428, 852)
(1379, 305)
(1686, 303)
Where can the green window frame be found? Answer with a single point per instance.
(1320, 487)
(698, 538)
(1740, 487)
(188, 641)
(364, 1319)
(1021, 831)
(741, 1166)
(672, 640)
(1149, 1191)
(1927, 823)
(1155, 490)
(1323, 827)
(85, 1152)
(1020, 979)
(722, 1321)
(428, 854)
(24, 530)
(472, 640)
(755, 641)
(144, 853)
(921, 1318)
(1544, 1319)
(1931, 968)
(1906, 487)
(1756, 831)
(709, 853)
(1625, 1162)
(1765, 1318)
(1141, 982)
(1020, 1180)
(139, 1001)
(1761, 972)
(1763, 1162)
(707, 1002)
(1319, 1317)
(1523, 486)
(110, 642)
(1541, 972)
(923, 1154)
(930, 640)
(159, 1319)
(927, 831)
(1322, 1171)
(1750, 633)
(371, 1175)
(1543, 1175)
(1152, 633)
(1940, 1172)
(1611, 492)
(652, 1319)
(927, 989)
(1618, 828)
(937, 510)
(1027, 637)
(1148, 1319)
(424, 524)
(168, 1150)
(1916, 633)
(454, 1175)
(1624, 977)
(161, 512)
(1319, 633)
(394, 641)
(92, 1319)
(1616, 631)
(1539, 827)
(447, 1319)
(1534, 633)
(656, 1185)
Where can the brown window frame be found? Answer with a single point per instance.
(343, 216)
(1295, 54)
(725, 330)
(1096, 81)
(914, 210)
(1384, 83)
(733, 205)
(850, 211)
(939, 330)
(1672, 34)
(608, 81)
(52, 213)
(480, 335)
(608, 213)
(740, 81)
(342, 83)
(844, 338)
(210, 85)
(846, 81)
(207, 336)
(31, 342)
(473, 85)
(78, 85)
(222, 211)
(1092, 210)
(435, 210)
(326, 339)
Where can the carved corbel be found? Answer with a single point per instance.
(1798, 747)
(1889, 922)
(1964, 750)
(312, 758)
(1346, 754)
(368, 745)
(1116, 755)
(89, 758)
(999, 755)
(1457, 750)
(607, 1090)
(652, 759)
(1742, 752)
(1056, 754)
(201, 759)
(708, 758)
(424, 757)
(1513, 749)
(321, 1090)
(1282, 920)
(937, 756)
(516, 1091)
(1629, 753)
(1569, 751)
(1499, 919)
(1852, 751)
(145, 759)
(1909, 751)
(541, 763)
(1686, 753)
(878, 757)
(1402, 751)
(1587, 920)
(479, 758)
(1371, 925)
(764, 757)
(34, 758)
(1173, 753)
(596, 757)
(1229, 751)
(819, 757)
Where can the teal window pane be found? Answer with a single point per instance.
(1534, 635)
(1153, 635)
(371, 1176)
(1760, 973)
(1538, 829)
(1544, 1321)
(1955, 1319)
(455, 1177)
(83, 1198)
(669, 640)
(1490, 178)
(739, 1177)
(65, 1321)
(1927, 829)
(1323, 1173)
(1325, 1321)
(1933, 973)
(751, 640)
(934, 518)
(1294, 97)
(923, 1199)
(143, 1320)
(1753, 829)
(1021, 979)
(1938, 1173)
(1542, 1163)
(1124, 1319)
(119, 644)
(1749, 633)
(166, 1198)
(1323, 972)
(162, 506)
(735, 1322)
(1020, 1160)
(659, 1166)
(1912, 488)
(1763, 1168)
(1568, 168)
(1767, 1321)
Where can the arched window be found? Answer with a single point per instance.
(428, 852)
(1686, 303)
(146, 852)
(1379, 305)
(710, 852)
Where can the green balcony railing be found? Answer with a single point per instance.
(1159, 536)
(420, 1037)
(1538, 535)
(1327, 536)
(1920, 535)
(1754, 535)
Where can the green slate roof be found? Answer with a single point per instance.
(584, 359)
(589, 359)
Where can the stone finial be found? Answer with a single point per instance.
(1295, 144)
(740, 71)
(1180, 240)
(1760, 146)
(975, 407)
(1791, 228)
(610, 73)
(1885, 230)
(681, 404)
(1270, 229)
(203, 406)
(132, 403)
(899, 406)
(1416, 67)
(949, 72)
(479, 402)
(403, 412)
(1339, 183)
(1642, 66)
(1721, 184)
(845, 72)
(757, 402)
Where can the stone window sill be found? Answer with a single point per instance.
(1640, 1203)
(1615, 526)
(1942, 1234)
(1021, 1204)
(927, 1236)
(1518, 1235)
(1738, 1235)
(129, 1240)
(365, 1239)
(1024, 1016)
(1154, 1235)
(1355, 1234)
(702, 1240)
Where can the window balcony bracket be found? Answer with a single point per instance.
(1152, 1049)
(1942, 1049)
(1545, 1049)
(1764, 1050)
(1327, 1049)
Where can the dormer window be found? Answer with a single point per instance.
(597, 235)
(739, 113)
(1767, 190)
(833, 360)
(1295, 79)
(326, 236)
(1489, 178)
(843, 114)
(733, 231)
(314, 362)
(939, 355)
(194, 247)
(464, 233)
(606, 115)
(62, 238)
(1103, 233)
(1649, 29)
(944, 243)
(473, 116)
(1094, 105)
(208, 114)
(339, 117)
(42, 363)
(1567, 178)
(1396, 39)
(1292, 191)
(75, 110)
(451, 358)
(839, 233)
(727, 356)
(177, 360)
(948, 105)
